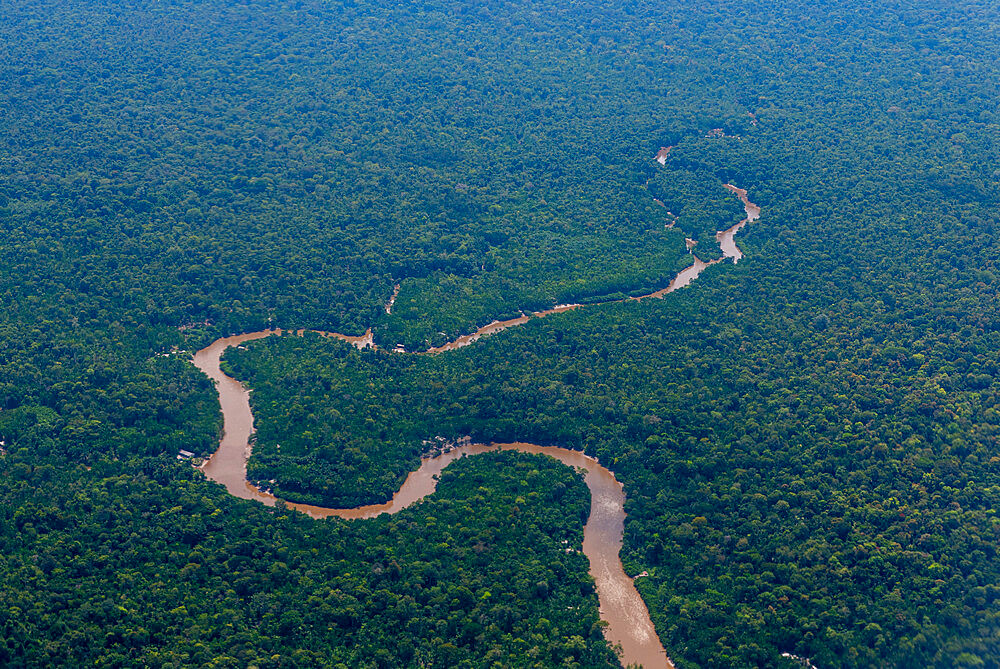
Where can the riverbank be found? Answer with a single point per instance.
(621, 606)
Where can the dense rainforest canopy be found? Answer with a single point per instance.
(808, 438)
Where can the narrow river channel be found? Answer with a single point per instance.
(620, 604)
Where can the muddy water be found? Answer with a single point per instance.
(228, 465)
(367, 340)
(392, 299)
(683, 278)
(727, 243)
(726, 238)
(620, 604)
(497, 326)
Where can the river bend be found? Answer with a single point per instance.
(620, 604)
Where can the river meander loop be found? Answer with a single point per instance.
(621, 606)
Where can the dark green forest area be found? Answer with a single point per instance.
(807, 439)
(159, 570)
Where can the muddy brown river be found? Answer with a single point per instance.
(621, 606)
